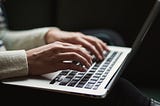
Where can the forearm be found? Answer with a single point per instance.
(26, 39)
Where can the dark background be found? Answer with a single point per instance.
(123, 16)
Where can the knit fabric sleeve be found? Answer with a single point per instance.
(25, 39)
(13, 64)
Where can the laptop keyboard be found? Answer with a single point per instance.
(90, 79)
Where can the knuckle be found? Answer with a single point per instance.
(74, 55)
(57, 42)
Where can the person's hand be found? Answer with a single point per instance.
(92, 44)
(57, 56)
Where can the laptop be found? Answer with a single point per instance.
(99, 79)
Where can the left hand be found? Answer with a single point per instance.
(91, 43)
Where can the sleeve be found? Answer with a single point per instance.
(13, 64)
(25, 39)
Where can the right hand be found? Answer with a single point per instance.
(51, 57)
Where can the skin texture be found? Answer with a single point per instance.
(92, 44)
(51, 58)
(62, 50)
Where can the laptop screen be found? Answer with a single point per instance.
(135, 17)
(143, 31)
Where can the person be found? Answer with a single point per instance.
(43, 50)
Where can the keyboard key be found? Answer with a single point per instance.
(90, 79)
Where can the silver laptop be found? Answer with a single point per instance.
(98, 80)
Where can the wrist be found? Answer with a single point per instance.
(50, 36)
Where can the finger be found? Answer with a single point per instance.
(72, 56)
(104, 45)
(89, 47)
(96, 43)
(71, 66)
(93, 38)
(77, 49)
(65, 43)
(101, 44)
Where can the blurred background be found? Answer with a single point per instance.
(123, 16)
